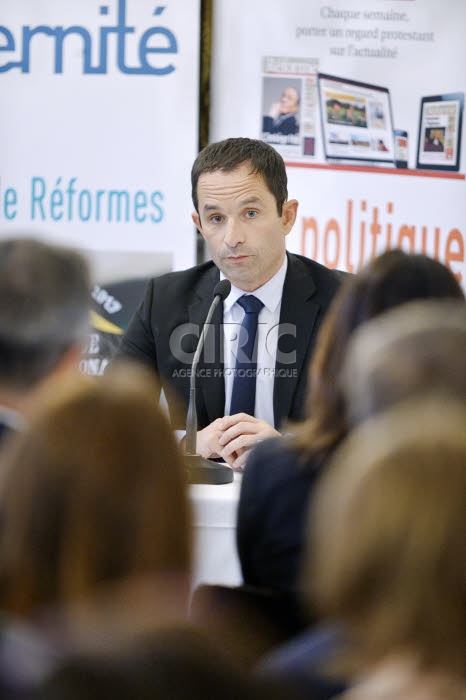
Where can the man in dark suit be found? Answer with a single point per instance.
(44, 316)
(239, 191)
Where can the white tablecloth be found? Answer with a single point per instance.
(214, 511)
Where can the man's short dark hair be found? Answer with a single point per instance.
(229, 154)
(44, 308)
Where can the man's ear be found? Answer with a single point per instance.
(289, 213)
(197, 221)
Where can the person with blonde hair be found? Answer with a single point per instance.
(387, 556)
(95, 521)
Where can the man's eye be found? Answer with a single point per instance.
(216, 218)
(251, 213)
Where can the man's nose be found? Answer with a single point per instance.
(234, 234)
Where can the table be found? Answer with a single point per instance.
(214, 513)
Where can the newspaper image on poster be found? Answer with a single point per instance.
(440, 132)
(289, 106)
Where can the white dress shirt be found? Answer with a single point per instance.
(269, 316)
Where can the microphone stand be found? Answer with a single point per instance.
(198, 469)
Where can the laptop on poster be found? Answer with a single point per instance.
(357, 124)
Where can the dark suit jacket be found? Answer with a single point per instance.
(165, 329)
(4, 429)
(272, 516)
(299, 665)
(284, 124)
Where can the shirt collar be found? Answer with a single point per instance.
(270, 293)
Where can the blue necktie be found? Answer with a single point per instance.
(243, 397)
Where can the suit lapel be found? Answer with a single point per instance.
(297, 318)
(298, 310)
(210, 382)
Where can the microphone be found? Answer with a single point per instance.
(200, 470)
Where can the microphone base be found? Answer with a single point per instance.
(205, 471)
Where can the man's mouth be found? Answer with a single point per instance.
(238, 259)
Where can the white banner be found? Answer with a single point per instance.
(375, 153)
(99, 127)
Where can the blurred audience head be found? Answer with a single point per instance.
(44, 310)
(175, 663)
(92, 494)
(418, 347)
(392, 279)
(387, 556)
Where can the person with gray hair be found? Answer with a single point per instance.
(44, 315)
(419, 347)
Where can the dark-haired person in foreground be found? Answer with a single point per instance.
(394, 331)
(239, 191)
(44, 316)
(281, 474)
